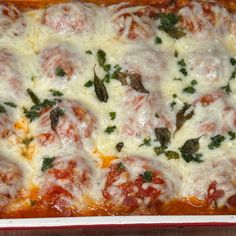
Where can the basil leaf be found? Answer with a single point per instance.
(163, 136)
(100, 89)
(54, 117)
(181, 117)
(190, 147)
(132, 80)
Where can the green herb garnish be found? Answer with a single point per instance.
(101, 57)
(158, 40)
(10, 104)
(232, 135)
(60, 71)
(47, 163)
(110, 129)
(216, 141)
(88, 84)
(147, 176)
(112, 115)
(146, 142)
(56, 93)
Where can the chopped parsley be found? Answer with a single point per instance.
(233, 75)
(120, 166)
(172, 104)
(226, 88)
(147, 176)
(2, 109)
(27, 141)
(158, 40)
(119, 146)
(232, 135)
(47, 163)
(178, 79)
(183, 71)
(190, 89)
(89, 52)
(159, 150)
(176, 54)
(182, 63)
(110, 129)
(172, 155)
(88, 84)
(146, 142)
(112, 115)
(232, 61)
(168, 23)
(60, 71)
(10, 104)
(33, 96)
(34, 111)
(56, 93)
(216, 141)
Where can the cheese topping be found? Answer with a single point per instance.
(122, 107)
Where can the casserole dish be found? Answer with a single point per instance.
(124, 111)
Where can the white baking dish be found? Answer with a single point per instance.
(117, 221)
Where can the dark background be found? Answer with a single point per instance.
(186, 231)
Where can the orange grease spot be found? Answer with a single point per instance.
(106, 159)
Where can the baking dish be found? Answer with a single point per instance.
(112, 220)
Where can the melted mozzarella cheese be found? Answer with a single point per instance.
(58, 37)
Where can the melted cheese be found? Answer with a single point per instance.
(59, 36)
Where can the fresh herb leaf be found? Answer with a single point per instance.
(194, 157)
(47, 163)
(181, 117)
(216, 141)
(159, 150)
(112, 115)
(146, 142)
(178, 79)
(27, 141)
(100, 89)
(190, 147)
(121, 166)
(56, 93)
(147, 176)
(232, 61)
(101, 57)
(232, 135)
(163, 136)
(189, 90)
(119, 146)
(132, 80)
(32, 202)
(173, 103)
(107, 67)
(31, 114)
(33, 97)
(10, 104)
(60, 71)
(88, 84)
(172, 155)
(168, 22)
(233, 75)
(182, 63)
(89, 52)
(158, 40)
(110, 129)
(193, 82)
(183, 71)
(227, 88)
(176, 54)
(2, 109)
(54, 117)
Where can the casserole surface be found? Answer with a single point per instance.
(124, 109)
